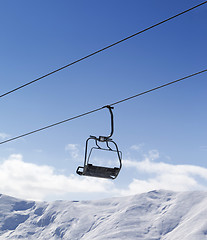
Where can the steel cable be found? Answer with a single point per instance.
(101, 50)
(100, 108)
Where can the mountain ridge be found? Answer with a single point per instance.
(163, 215)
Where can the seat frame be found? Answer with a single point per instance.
(99, 171)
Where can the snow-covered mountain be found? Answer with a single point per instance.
(152, 216)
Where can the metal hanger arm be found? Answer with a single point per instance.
(112, 123)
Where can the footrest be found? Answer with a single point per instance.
(97, 171)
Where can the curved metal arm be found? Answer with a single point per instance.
(106, 138)
(112, 123)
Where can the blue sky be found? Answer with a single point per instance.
(165, 127)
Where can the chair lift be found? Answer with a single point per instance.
(99, 171)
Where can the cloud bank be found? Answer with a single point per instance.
(160, 175)
(41, 182)
(31, 181)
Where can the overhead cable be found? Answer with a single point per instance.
(100, 108)
(102, 49)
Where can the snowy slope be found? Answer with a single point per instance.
(152, 216)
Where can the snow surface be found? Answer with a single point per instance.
(157, 215)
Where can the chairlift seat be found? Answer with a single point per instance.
(98, 171)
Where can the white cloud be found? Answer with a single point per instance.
(73, 150)
(3, 136)
(160, 175)
(138, 147)
(31, 181)
(153, 155)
